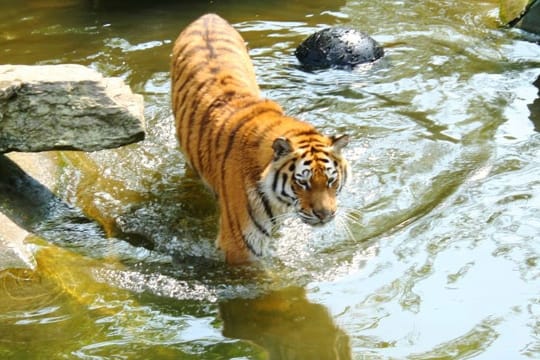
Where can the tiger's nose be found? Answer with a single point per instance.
(324, 215)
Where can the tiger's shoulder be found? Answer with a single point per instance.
(211, 56)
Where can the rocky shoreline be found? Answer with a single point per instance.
(52, 107)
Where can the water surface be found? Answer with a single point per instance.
(435, 254)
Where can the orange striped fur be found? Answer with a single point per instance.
(259, 162)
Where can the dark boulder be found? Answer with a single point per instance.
(337, 47)
(530, 21)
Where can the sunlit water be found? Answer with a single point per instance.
(435, 253)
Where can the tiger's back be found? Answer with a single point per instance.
(210, 69)
(212, 78)
(234, 139)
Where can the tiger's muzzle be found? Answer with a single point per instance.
(317, 217)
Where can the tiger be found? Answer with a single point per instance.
(260, 163)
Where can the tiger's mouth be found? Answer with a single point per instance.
(316, 218)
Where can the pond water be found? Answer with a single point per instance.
(436, 251)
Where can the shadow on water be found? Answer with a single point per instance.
(287, 325)
(33, 207)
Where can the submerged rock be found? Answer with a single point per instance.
(59, 107)
(338, 47)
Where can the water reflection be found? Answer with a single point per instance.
(32, 301)
(287, 325)
(446, 196)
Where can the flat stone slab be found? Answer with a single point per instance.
(66, 107)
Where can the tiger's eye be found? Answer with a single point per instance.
(331, 181)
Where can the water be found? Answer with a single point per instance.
(435, 254)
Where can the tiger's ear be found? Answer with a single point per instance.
(339, 142)
(282, 146)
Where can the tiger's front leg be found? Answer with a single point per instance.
(231, 238)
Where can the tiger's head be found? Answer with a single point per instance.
(307, 175)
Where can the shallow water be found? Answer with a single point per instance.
(435, 253)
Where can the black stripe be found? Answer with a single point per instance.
(178, 55)
(218, 102)
(266, 205)
(212, 52)
(196, 31)
(211, 47)
(297, 133)
(324, 152)
(221, 132)
(179, 115)
(288, 203)
(235, 224)
(285, 177)
(193, 107)
(256, 223)
(192, 120)
(278, 171)
(240, 123)
(209, 44)
(263, 132)
(275, 185)
(250, 248)
(274, 182)
(186, 64)
(216, 51)
(206, 34)
(188, 79)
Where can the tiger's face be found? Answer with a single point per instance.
(309, 177)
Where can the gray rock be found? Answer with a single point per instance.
(66, 107)
(337, 47)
